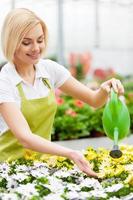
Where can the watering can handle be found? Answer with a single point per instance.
(114, 97)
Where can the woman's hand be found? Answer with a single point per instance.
(82, 163)
(113, 83)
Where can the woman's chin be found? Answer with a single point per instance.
(34, 61)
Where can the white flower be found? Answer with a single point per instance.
(129, 167)
(10, 196)
(39, 172)
(114, 187)
(39, 164)
(61, 173)
(114, 198)
(36, 173)
(72, 195)
(44, 170)
(98, 193)
(27, 190)
(91, 182)
(54, 196)
(129, 197)
(4, 168)
(22, 168)
(73, 187)
(84, 195)
(19, 176)
(4, 175)
(11, 184)
(55, 185)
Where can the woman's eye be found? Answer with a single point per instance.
(28, 43)
(40, 41)
(25, 43)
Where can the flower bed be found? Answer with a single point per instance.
(56, 177)
(75, 119)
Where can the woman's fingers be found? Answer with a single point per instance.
(90, 173)
(106, 87)
(85, 167)
(82, 163)
(120, 87)
(115, 84)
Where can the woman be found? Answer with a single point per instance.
(27, 82)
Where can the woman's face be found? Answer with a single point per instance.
(32, 47)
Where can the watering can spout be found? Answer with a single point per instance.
(115, 152)
(116, 122)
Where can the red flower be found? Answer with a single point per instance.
(71, 112)
(78, 103)
(59, 100)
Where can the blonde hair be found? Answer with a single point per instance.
(17, 23)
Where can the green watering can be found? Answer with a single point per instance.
(116, 122)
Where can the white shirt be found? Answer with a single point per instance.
(9, 78)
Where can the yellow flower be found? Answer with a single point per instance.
(30, 155)
(101, 174)
(91, 155)
(129, 179)
(61, 159)
(49, 159)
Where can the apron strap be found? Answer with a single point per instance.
(21, 91)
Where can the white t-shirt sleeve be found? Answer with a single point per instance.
(6, 91)
(58, 73)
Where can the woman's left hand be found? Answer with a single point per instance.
(113, 83)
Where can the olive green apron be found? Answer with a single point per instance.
(39, 114)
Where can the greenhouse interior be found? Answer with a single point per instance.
(66, 100)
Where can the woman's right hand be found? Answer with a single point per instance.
(82, 163)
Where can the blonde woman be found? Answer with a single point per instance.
(27, 83)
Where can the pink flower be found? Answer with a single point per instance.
(59, 100)
(86, 60)
(71, 112)
(78, 103)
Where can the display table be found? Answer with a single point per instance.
(94, 142)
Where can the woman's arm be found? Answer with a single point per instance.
(19, 126)
(95, 98)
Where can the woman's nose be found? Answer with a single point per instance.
(35, 47)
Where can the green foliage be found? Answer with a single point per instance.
(86, 189)
(29, 179)
(69, 179)
(35, 198)
(42, 190)
(42, 180)
(3, 182)
(122, 192)
(130, 108)
(96, 120)
(74, 119)
(128, 85)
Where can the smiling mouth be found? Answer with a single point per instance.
(34, 56)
